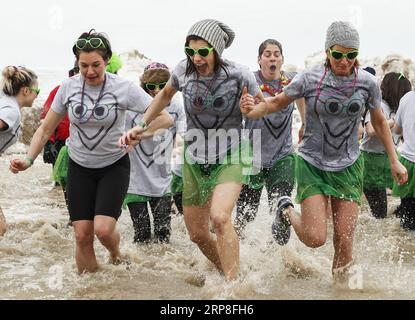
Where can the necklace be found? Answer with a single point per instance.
(96, 102)
(198, 101)
(339, 90)
(270, 89)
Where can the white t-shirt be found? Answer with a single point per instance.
(9, 114)
(405, 118)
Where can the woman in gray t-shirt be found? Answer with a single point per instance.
(275, 159)
(213, 170)
(19, 88)
(98, 170)
(328, 167)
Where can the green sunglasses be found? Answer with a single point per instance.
(36, 90)
(352, 54)
(153, 86)
(94, 43)
(203, 52)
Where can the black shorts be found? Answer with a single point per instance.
(99, 191)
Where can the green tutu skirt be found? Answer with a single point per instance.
(377, 173)
(407, 190)
(346, 184)
(60, 169)
(199, 181)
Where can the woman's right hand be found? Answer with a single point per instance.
(17, 165)
(247, 102)
(131, 138)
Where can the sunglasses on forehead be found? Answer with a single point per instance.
(153, 86)
(94, 43)
(203, 52)
(352, 54)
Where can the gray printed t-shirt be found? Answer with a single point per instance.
(405, 118)
(276, 137)
(212, 109)
(334, 107)
(9, 114)
(96, 127)
(373, 144)
(150, 159)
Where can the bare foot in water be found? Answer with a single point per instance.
(120, 260)
(115, 259)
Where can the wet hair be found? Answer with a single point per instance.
(219, 62)
(264, 44)
(15, 78)
(154, 76)
(105, 52)
(394, 86)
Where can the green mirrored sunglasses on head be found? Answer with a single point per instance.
(94, 43)
(352, 54)
(153, 86)
(203, 52)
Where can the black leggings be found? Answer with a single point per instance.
(161, 210)
(249, 199)
(406, 211)
(97, 191)
(378, 202)
(178, 201)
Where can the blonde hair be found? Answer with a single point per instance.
(15, 78)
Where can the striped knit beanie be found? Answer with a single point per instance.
(218, 34)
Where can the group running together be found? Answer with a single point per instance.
(229, 137)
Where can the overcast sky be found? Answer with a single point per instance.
(40, 34)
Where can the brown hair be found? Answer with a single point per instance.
(154, 76)
(219, 63)
(105, 51)
(394, 86)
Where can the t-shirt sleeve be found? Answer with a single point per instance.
(138, 100)
(252, 84)
(401, 111)
(177, 73)
(58, 104)
(375, 95)
(9, 115)
(296, 88)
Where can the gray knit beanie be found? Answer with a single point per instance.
(218, 34)
(343, 34)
